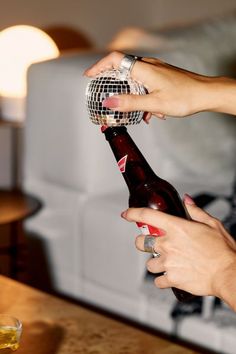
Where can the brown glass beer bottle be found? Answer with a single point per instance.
(145, 187)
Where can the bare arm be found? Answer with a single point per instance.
(198, 256)
(172, 91)
(223, 95)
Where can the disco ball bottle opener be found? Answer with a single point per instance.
(107, 84)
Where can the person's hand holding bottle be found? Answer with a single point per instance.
(198, 256)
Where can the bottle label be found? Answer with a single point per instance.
(122, 163)
(149, 230)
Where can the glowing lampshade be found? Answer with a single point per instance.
(20, 46)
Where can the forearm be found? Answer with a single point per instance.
(227, 287)
(172, 91)
(221, 95)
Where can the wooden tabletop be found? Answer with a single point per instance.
(10, 123)
(55, 326)
(16, 205)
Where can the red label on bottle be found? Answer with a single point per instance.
(149, 230)
(122, 163)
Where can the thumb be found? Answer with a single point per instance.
(129, 103)
(196, 213)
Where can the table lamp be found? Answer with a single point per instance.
(20, 46)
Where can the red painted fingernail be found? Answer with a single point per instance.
(123, 214)
(188, 200)
(111, 102)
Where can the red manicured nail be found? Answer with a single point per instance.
(188, 200)
(111, 102)
(123, 214)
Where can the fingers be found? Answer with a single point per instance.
(129, 103)
(162, 282)
(110, 61)
(152, 217)
(142, 71)
(168, 222)
(147, 117)
(230, 240)
(198, 214)
(194, 211)
(160, 115)
(156, 266)
(140, 243)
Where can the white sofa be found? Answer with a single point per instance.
(87, 248)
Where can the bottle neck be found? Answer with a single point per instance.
(131, 162)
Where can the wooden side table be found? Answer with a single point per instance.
(15, 206)
(15, 129)
(55, 326)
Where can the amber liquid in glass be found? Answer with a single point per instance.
(9, 338)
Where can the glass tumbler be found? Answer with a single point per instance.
(10, 332)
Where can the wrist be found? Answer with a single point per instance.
(219, 94)
(224, 285)
(205, 92)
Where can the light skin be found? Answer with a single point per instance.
(198, 256)
(172, 91)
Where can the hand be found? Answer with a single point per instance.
(198, 256)
(172, 91)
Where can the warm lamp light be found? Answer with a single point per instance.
(20, 46)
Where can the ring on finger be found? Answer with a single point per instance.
(128, 62)
(149, 242)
